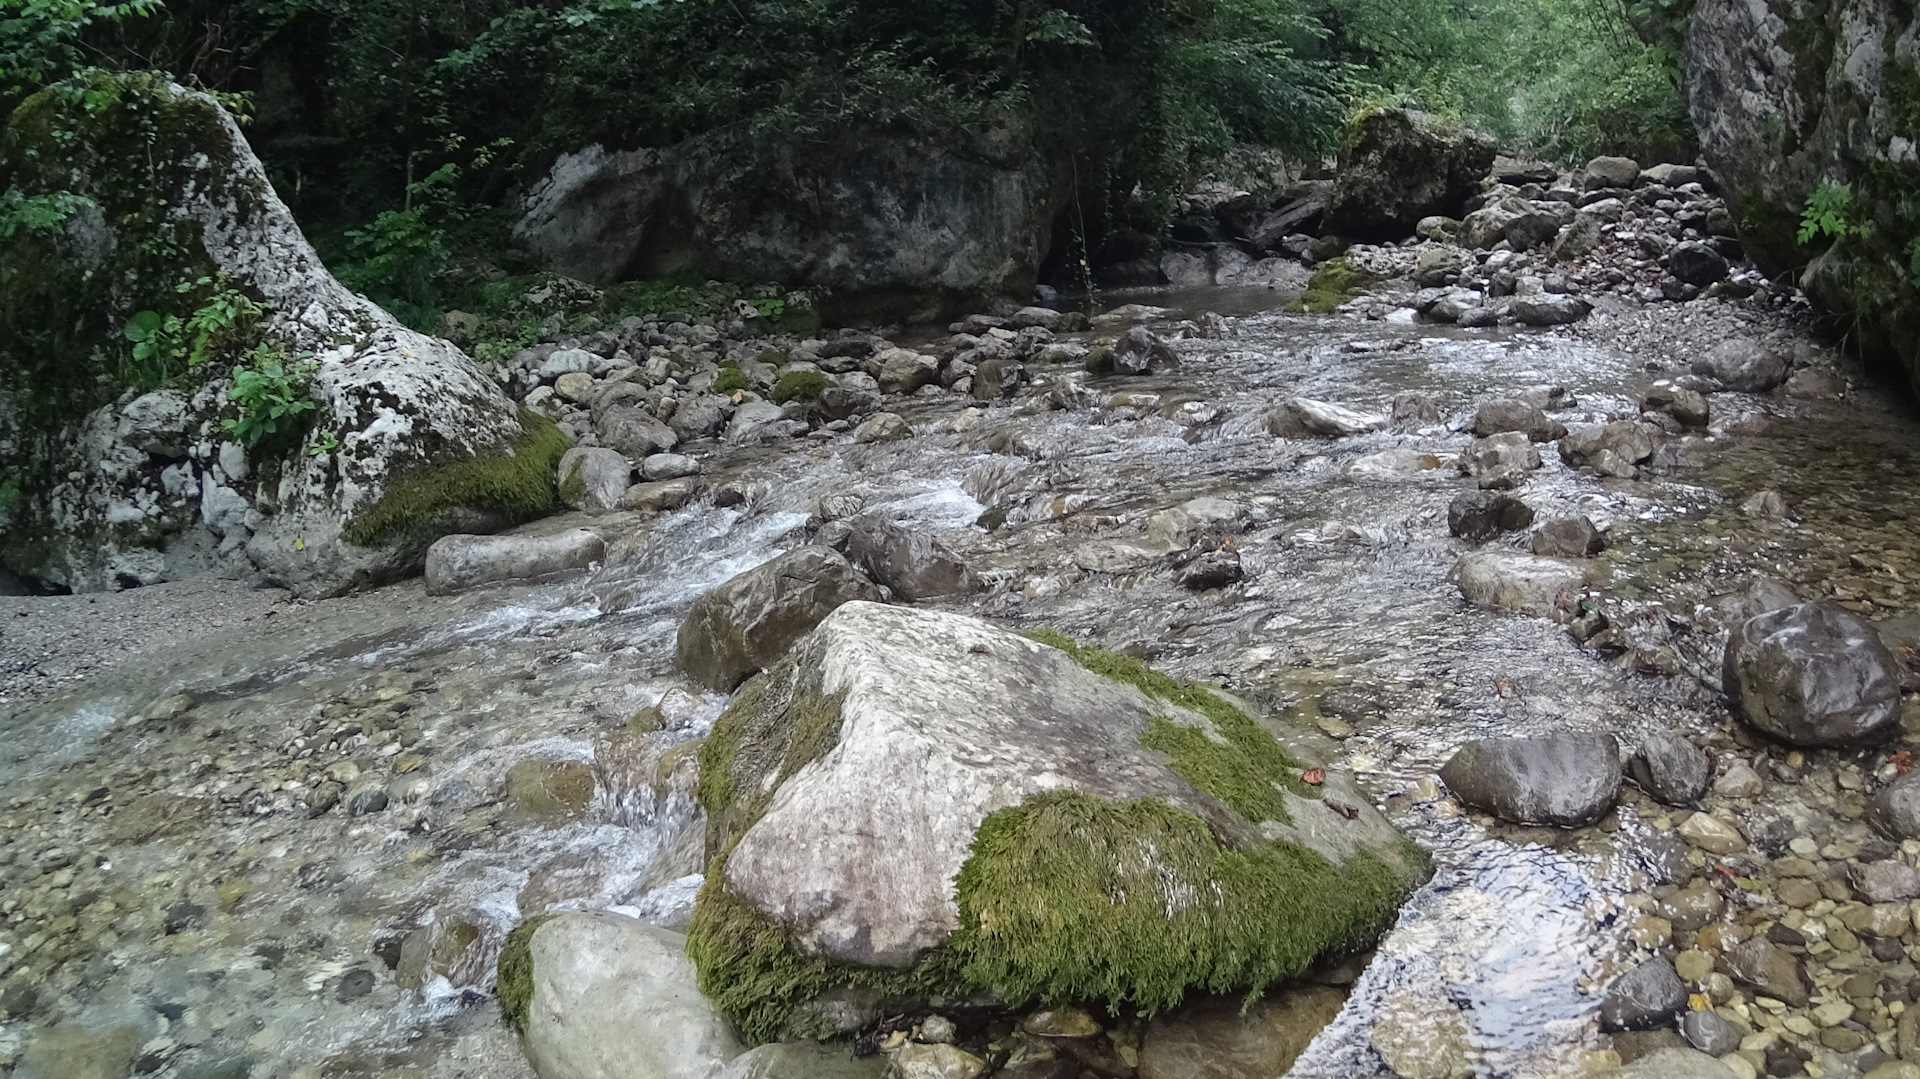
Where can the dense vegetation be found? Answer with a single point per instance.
(399, 129)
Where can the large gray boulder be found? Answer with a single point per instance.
(1815, 674)
(896, 223)
(614, 998)
(408, 439)
(750, 621)
(1566, 779)
(1397, 166)
(1744, 364)
(593, 478)
(909, 788)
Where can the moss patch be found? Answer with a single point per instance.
(775, 726)
(1245, 767)
(516, 484)
(1069, 898)
(1332, 284)
(754, 975)
(1099, 360)
(513, 984)
(731, 379)
(800, 386)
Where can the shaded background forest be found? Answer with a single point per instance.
(400, 131)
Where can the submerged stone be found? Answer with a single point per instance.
(1040, 779)
(1565, 779)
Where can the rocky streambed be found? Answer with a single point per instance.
(295, 844)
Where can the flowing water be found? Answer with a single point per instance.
(165, 889)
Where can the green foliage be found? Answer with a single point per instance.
(1244, 767)
(42, 41)
(1068, 898)
(730, 379)
(36, 214)
(274, 396)
(161, 347)
(801, 385)
(1333, 283)
(1831, 212)
(1563, 79)
(516, 485)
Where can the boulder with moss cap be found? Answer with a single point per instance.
(916, 806)
(409, 439)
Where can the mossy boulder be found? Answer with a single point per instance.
(1398, 166)
(151, 187)
(917, 807)
(1789, 96)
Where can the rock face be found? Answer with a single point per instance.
(1564, 779)
(1038, 784)
(1784, 102)
(914, 564)
(613, 996)
(1814, 674)
(749, 622)
(911, 226)
(457, 563)
(1397, 166)
(426, 443)
(593, 479)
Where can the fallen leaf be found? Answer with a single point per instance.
(1313, 777)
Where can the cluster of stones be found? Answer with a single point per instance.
(1537, 249)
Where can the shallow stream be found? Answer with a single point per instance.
(165, 889)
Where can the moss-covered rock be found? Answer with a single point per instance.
(1790, 96)
(916, 806)
(1398, 166)
(136, 205)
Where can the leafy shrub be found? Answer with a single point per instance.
(1832, 213)
(275, 397)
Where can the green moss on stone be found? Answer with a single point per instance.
(1244, 767)
(1063, 898)
(1332, 284)
(775, 726)
(513, 984)
(1066, 898)
(516, 484)
(803, 385)
(1099, 360)
(731, 379)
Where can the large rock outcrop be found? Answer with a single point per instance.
(918, 806)
(1397, 166)
(1787, 96)
(407, 439)
(891, 224)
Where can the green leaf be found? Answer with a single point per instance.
(143, 326)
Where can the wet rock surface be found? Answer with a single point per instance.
(1563, 779)
(1814, 674)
